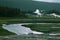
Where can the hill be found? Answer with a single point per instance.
(30, 5)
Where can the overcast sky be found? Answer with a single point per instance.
(54, 1)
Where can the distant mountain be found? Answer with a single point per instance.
(30, 5)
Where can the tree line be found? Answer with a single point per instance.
(15, 12)
(11, 12)
(53, 11)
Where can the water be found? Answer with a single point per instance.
(23, 33)
(19, 29)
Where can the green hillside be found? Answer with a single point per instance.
(30, 5)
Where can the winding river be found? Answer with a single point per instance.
(19, 29)
(22, 33)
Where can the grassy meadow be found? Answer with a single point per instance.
(46, 28)
(15, 15)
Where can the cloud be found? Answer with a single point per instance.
(54, 1)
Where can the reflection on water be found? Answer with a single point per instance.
(19, 29)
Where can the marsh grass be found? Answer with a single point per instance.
(44, 27)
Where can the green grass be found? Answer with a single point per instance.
(44, 27)
(34, 20)
(37, 27)
(29, 20)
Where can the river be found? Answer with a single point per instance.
(19, 29)
(25, 33)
